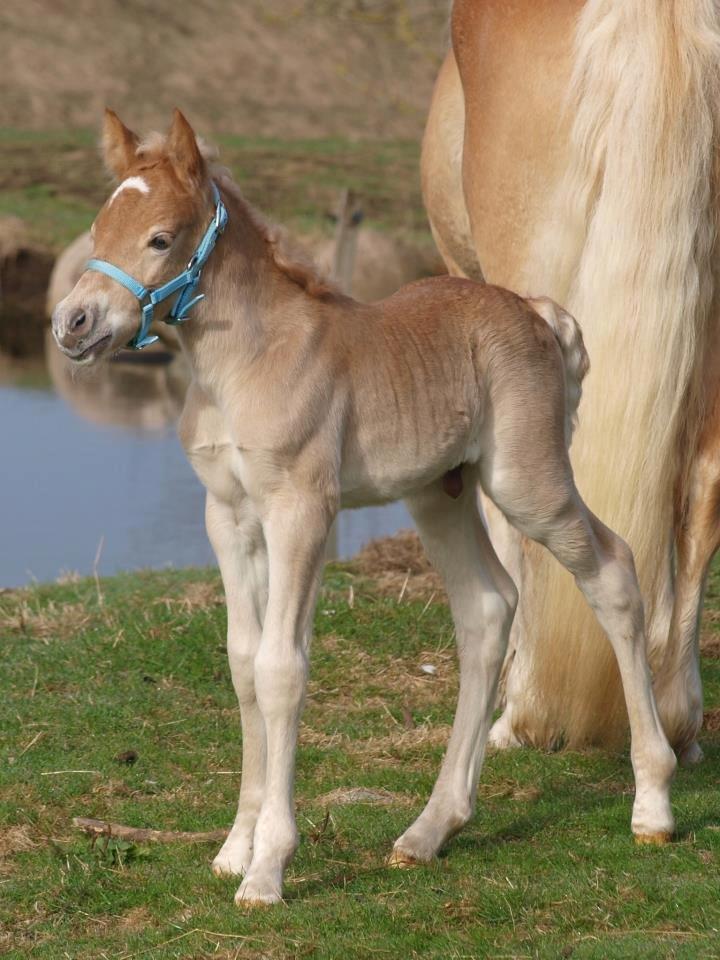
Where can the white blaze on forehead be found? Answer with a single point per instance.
(132, 183)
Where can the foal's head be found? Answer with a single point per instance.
(149, 228)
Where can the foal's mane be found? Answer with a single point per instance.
(286, 255)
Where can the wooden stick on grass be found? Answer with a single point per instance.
(101, 828)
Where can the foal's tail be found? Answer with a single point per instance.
(575, 357)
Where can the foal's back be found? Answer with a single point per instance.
(432, 370)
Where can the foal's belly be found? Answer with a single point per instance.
(385, 473)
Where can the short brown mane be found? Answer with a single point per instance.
(285, 254)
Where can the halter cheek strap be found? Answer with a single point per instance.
(184, 282)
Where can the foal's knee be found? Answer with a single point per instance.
(242, 670)
(280, 676)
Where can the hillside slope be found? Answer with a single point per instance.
(274, 68)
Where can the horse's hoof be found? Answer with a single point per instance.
(691, 755)
(501, 736)
(653, 839)
(400, 860)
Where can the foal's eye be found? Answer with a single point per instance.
(162, 241)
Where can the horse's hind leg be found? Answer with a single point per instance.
(678, 684)
(236, 537)
(482, 599)
(541, 500)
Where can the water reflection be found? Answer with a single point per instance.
(94, 458)
(143, 392)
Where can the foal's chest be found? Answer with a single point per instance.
(210, 448)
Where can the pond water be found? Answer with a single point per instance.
(92, 473)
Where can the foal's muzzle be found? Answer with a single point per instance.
(74, 329)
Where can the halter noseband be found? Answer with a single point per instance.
(185, 282)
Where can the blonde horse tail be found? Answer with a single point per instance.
(629, 247)
(575, 357)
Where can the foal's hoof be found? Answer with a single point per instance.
(232, 861)
(252, 895)
(401, 860)
(254, 903)
(653, 839)
(224, 868)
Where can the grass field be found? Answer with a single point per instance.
(546, 868)
(55, 181)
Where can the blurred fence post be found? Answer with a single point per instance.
(349, 218)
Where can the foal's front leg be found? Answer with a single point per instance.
(236, 535)
(296, 529)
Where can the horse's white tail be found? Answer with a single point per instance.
(628, 248)
(575, 357)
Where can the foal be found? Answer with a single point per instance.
(303, 400)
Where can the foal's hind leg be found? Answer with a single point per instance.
(482, 599)
(545, 505)
(237, 538)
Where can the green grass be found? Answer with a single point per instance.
(55, 181)
(545, 869)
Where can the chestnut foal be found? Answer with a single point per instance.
(303, 400)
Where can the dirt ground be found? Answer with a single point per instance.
(288, 68)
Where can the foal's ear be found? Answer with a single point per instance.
(119, 145)
(183, 151)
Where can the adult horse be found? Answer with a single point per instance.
(571, 148)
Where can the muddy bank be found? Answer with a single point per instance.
(24, 275)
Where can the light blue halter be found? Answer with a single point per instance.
(185, 282)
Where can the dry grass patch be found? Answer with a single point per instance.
(710, 643)
(399, 568)
(508, 789)
(711, 720)
(398, 741)
(346, 795)
(55, 621)
(137, 918)
(426, 680)
(15, 839)
(197, 595)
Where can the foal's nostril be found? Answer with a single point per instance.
(77, 321)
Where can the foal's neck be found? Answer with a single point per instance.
(249, 301)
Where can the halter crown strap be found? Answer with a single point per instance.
(185, 282)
